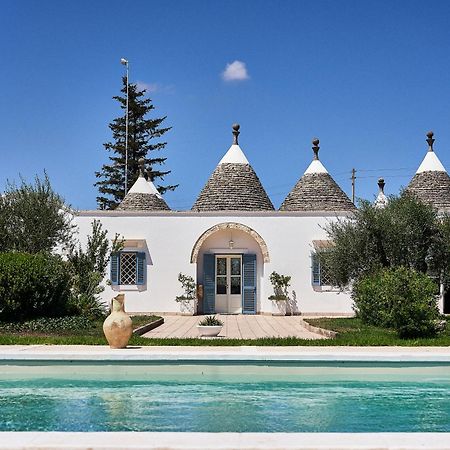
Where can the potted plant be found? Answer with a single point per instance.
(210, 326)
(280, 299)
(187, 301)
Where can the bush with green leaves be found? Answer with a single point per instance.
(399, 298)
(48, 325)
(33, 286)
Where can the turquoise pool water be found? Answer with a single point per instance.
(220, 398)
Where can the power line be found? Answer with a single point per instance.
(385, 170)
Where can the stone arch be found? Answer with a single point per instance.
(230, 226)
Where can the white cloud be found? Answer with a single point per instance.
(151, 88)
(235, 71)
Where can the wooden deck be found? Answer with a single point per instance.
(235, 327)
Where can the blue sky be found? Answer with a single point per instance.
(368, 78)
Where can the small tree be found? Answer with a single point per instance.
(34, 218)
(189, 288)
(142, 135)
(281, 284)
(88, 269)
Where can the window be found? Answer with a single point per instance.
(319, 272)
(128, 268)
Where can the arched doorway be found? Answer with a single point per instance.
(230, 261)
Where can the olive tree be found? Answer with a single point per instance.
(34, 218)
(406, 233)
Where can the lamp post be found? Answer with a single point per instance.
(124, 62)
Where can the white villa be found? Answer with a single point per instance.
(233, 239)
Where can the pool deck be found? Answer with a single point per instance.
(218, 353)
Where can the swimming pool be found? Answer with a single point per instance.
(225, 397)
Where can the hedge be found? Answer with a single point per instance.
(33, 285)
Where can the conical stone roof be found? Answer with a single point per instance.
(431, 183)
(234, 185)
(316, 190)
(143, 195)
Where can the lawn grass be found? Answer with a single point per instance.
(351, 332)
(91, 336)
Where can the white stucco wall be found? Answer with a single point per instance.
(171, 236)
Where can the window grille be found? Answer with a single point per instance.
(321, 275)
(128, 268)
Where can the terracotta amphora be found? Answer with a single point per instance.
(118, 327)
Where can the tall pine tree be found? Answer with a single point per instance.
(143, 133)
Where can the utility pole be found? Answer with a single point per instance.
(353, 185)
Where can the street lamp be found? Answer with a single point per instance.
(124, 62)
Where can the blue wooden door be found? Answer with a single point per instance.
(249, 284)
(209, 284)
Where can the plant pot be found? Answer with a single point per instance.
(209, 331)
(279, 307)
(188, 306)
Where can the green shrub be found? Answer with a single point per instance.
(398, 298)
(48, 325)
(373, 300)
(210, 321)
(33, 286)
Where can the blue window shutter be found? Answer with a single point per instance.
(140, 268)
(315, 270)
(209, 282)
(115, 268)
(249, 291)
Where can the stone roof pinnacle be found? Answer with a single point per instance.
(431, 162)
(236, 132)
(141, 163)
(430, 140)
(315, 143)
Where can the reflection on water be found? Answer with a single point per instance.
(219, 398)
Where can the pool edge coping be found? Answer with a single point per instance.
(243, 353)
(221, 441)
